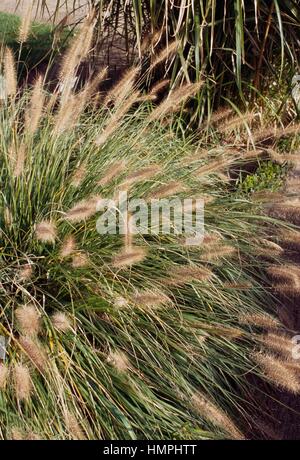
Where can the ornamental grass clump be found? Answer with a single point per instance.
(113, 337)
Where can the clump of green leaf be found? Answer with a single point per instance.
(123, 336)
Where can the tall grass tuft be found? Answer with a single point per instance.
(105, 333)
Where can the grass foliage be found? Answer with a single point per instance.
(125, 338)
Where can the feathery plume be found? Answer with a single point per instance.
(16, 434)
(151, 299)
(115, 119)
(172, 188)
(61, 322)
(20, 159)
(236, 122)
(78, 175)
(68, 247)
(22, 382)
(8, 218)
(278, 372)
(164, 54)
(35, 110)
(129, 256)
(184, 274)
(215, 415)
(112, 171)
(158, 87)
(174, 101)
(78, 50)
(34, 352)
(279, 343)
(291, 238)
(25, 273)
(82, 210)
(142, 174)
(290, 274)
(3, 376)
(213, 167)
(25, 24)
(46, 231)
(119, 360)
(217, 117)
(10, 74)
(80, 260)
(29, 320)
(268, 248)
(211, 253)
(73, 426)
(260, 320)
(123, 88)
(273, 133)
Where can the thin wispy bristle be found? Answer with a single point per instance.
(278, 372)
(46, 231)
(28, 319)
(116, 118)
(22, 382)
(209, 411)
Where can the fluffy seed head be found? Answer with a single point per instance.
(34, 352)
(129, 256)
(3, 376)
(68, 247)
(46, 231)
(119, 360)
(82, 211)
(172, 188)
(280, 343)
(186, 274)
(259, 320)
(61, 322)
(25, 273)
(151, 299)
(36, 106)
(25, 24)
(80, 260)
(112, 171)
(10, 73)
(73, 426)
(29, 320)
(215, 415)
(278, 372)
(22, 382)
